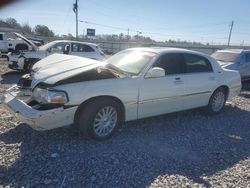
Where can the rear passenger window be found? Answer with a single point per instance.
(85, 48)
(171, 63)
(195, 63)
(76, 47)
(1, 36)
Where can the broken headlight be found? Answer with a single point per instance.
(49, 96)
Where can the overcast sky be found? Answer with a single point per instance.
(191, 20)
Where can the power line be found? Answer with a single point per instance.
(194, 28)
(103, 25)
(142, 31)
(201, 26)
(206, 36)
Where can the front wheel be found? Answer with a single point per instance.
(217, 101)
(100, 119)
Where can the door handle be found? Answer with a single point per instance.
(177, 78)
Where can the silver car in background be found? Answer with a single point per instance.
(235, 59)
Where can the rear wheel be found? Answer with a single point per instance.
(217, 101)
(99, 119)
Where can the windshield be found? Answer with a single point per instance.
(131, 61)
(46, 46)
(225, 56)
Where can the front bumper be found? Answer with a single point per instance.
(38, 119)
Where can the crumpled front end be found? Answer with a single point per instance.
(39, 118)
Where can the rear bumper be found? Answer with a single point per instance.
(38, 119)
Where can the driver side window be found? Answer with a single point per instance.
(171, 63)
(59, 47)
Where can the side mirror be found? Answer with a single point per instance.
(155, 72)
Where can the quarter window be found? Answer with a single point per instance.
(195, 63)
(74, 47)
(81, 48)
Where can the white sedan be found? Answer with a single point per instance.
(96, 97)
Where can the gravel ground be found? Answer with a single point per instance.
(185, 149)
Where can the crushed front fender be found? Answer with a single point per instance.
(38, 119)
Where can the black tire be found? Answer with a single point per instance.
(211, 108)
(89, 113)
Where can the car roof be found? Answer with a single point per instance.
(72, 41)
(160, 50)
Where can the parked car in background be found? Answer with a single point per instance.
(25, 60)
(96, 97)
(14, 44)
(235, 59)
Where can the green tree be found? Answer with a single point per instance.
(13, 23)
(26, 28)
(43, 30)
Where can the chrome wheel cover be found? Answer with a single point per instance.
(105, 121)
(218, 101)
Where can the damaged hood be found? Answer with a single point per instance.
(34, 47)
(58, 67)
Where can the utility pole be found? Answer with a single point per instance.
(75, 9)
(231, 28)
